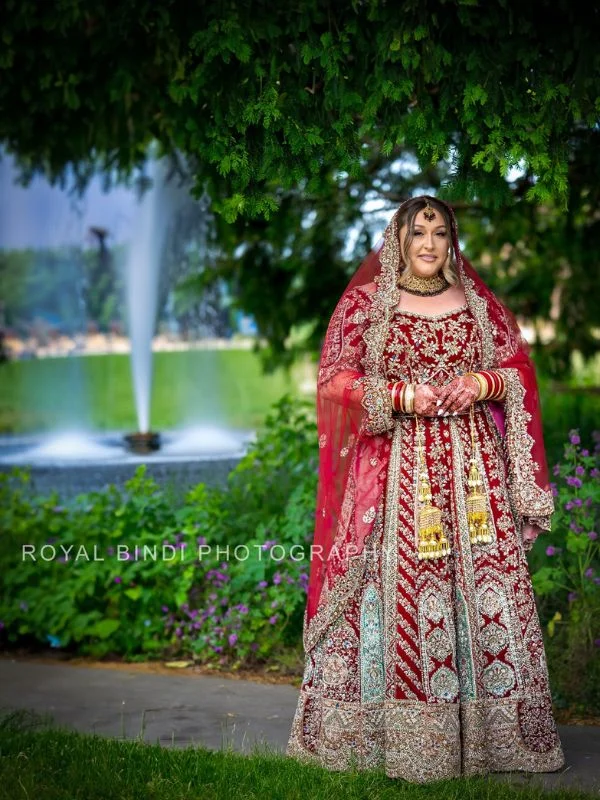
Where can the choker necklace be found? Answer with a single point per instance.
(425, 287)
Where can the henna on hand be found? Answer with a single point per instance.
(458, 395)
(425, 400)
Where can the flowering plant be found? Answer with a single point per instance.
(569, 579)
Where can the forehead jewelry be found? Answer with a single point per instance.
(428, 212)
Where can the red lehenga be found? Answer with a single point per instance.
(435, 668)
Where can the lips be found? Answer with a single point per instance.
(428, 258)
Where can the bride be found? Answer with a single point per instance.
(424, 653)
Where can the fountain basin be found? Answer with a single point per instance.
(75, 463)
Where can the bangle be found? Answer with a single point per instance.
(483, 385)
(409, 401)
(498, 386)
(402, 398)
(394, 392)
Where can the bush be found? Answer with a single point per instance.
(125, 572)
(567, 577)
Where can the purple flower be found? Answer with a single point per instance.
(589, 573)
(243, 609)
(585, 453)
(578, 502)
(579, 470)
(110, 550)
(575, 527)
(277, 579)
(201, 540)
(568, 506)
(576, 482)
(574, 437)
(263, 585)
(217, 649)
(572, 596)
(165, 609)
(592, 535)
(556, 469)
(1, 625)
(254, 646)
(550, 550)
(595, 473)
(232, 639)
(269, 543)
(118, 579)
(597, 580)
(178, 632)
(597, 642)
(273, 619)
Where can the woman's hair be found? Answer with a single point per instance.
(407, 217)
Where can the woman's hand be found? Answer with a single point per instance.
(457, 395)
(425, 400)
(530, 533)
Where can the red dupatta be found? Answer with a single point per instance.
(354, 412)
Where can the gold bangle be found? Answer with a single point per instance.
(409, 398)
(401, 400)
(483, 385)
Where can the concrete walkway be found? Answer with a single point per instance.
(214, 712)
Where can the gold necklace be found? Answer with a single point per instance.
(424, 287)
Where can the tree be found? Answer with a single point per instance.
(262, 96)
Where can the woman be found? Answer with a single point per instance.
(423, 646)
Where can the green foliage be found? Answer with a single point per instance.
(261, 99)
(126, 572)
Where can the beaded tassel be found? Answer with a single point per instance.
(432, 541)
(476, 498)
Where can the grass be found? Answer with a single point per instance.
(39, 761)
(225, 386)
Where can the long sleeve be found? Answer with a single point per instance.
(342, 377)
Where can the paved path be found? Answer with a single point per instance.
(182, 710)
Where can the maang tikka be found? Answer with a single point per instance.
(428, 212)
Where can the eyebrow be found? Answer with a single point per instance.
(436, 227)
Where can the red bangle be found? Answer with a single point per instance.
(398, 389)
(497, 383)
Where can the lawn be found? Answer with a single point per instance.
(220, 386)
(54, 764)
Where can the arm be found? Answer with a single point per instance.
(342, 378)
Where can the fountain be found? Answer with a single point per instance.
(77, 460)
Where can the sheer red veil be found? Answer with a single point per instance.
(347, 397)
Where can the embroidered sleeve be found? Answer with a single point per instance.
(529, 499)
(341, 371)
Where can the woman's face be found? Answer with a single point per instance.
(429, 248)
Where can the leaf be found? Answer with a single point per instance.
(105, 628)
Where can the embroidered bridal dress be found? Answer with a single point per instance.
(427, 668)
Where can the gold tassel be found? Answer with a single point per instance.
(432, 540)
(477, 516)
